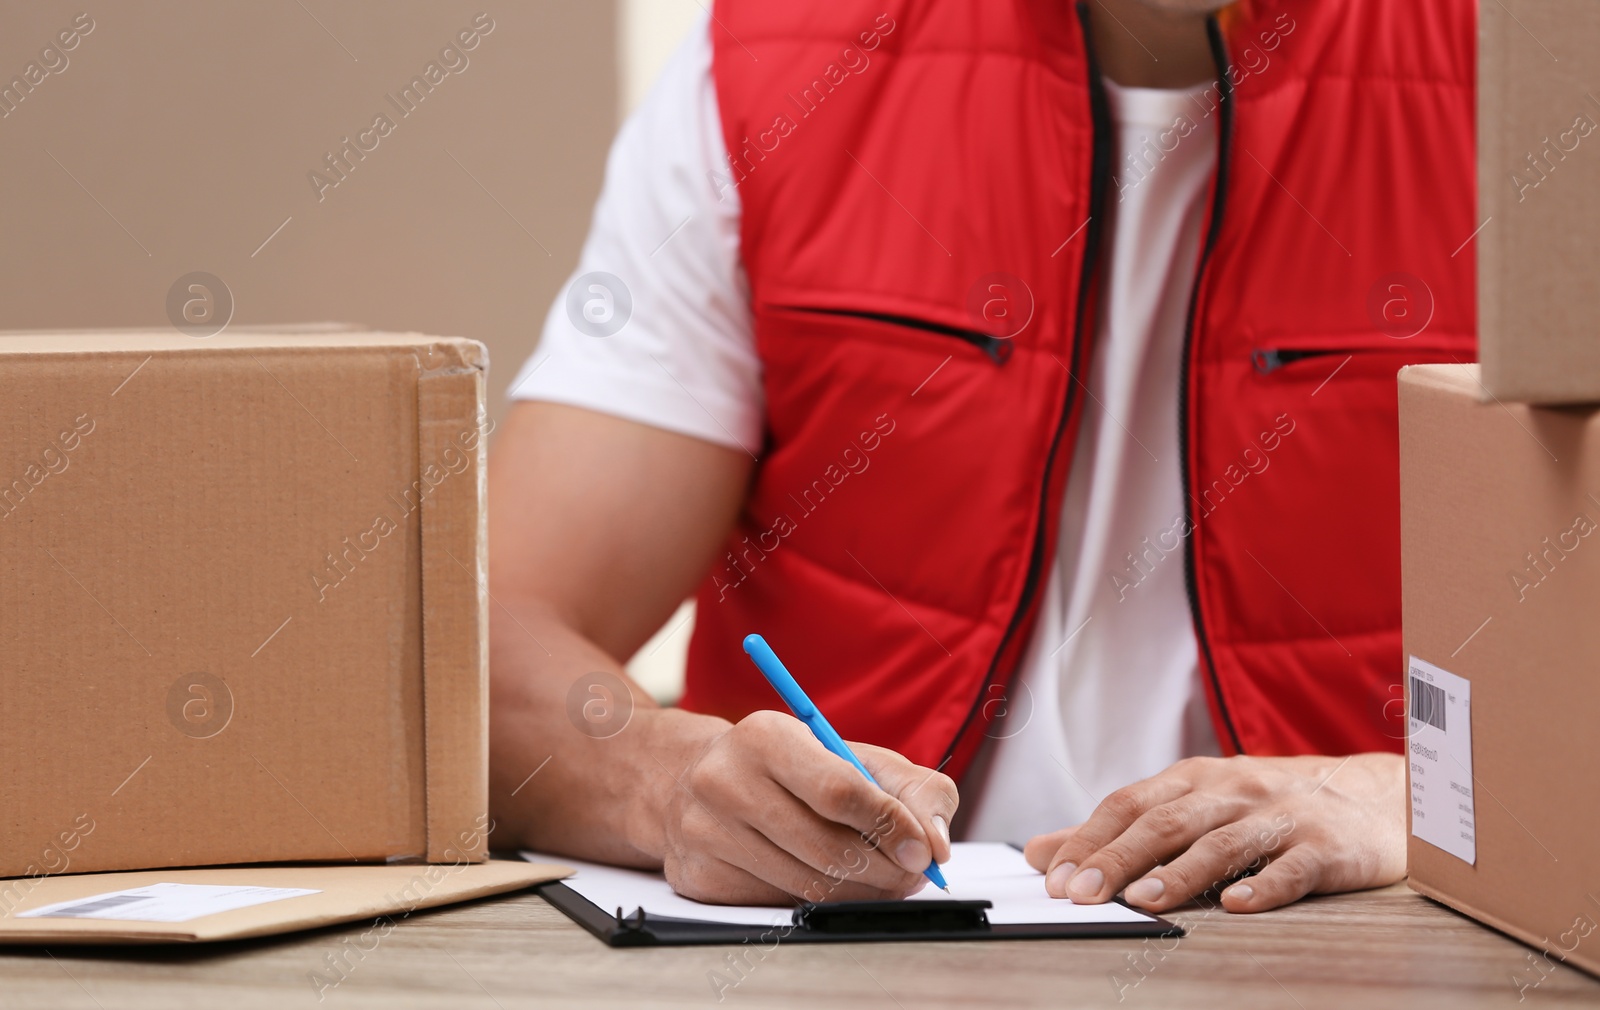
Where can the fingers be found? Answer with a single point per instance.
(835, 789)
(1132, 831)
(834, 850)
(755, 826)
(766, 808)
(839, 793)
(1290, 877)
(929, 795)
(695, 873)
(727, 864)
(1041, 849)
(1213, 861)
(1116, 812)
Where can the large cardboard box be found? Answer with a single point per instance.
(1500, 508)
(242, 612)
(1538, 244)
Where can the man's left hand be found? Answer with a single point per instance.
(1305, 825)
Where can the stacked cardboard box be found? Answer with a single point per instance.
(1500, 554)
(243, 613)
(1500, 500)
(1539, 198)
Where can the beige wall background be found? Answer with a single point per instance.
(179, 135)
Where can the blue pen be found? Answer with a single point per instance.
(783, 682)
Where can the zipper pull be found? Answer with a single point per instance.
(1267, 361)
(998, 349)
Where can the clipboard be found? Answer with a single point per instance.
(836, 922)
(1015, 908)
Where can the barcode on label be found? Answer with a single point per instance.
(1427, 703)
(88, 908)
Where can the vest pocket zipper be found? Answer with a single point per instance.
(1269, 360)
(998, 349)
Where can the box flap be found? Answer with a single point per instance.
(451, 430)
(344, 894)
(440, 351)
(1446, 377)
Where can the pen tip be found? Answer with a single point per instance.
(947, 889)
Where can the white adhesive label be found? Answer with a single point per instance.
(164, 902)
(1439, 748)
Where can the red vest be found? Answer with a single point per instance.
(923, 193)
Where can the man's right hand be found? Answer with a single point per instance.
(764, 814)
(599, 527)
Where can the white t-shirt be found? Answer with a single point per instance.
(1108, 691)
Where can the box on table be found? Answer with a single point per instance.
(242, 618)
(1539, 199)
(243, 902)
(1500, 508)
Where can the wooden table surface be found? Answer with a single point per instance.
(1386, 948)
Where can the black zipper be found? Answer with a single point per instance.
(998, 349)
(1219, 55)
(1269, 360)
(1099, 176)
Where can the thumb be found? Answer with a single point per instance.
(931, 797)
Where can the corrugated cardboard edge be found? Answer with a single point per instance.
(1492, 66)
(1540, 943)
(1451, 377)
(455, 659)
(348, 894)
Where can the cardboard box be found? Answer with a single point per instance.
(1500, 508)
(243, 613)
(1539, 199)
(384, 894)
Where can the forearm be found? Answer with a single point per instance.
(552, 785)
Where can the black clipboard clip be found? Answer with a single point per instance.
(631, 923)
(894, 917)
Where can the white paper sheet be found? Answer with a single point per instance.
(990, 870)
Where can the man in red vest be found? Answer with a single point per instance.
(1024, 373)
